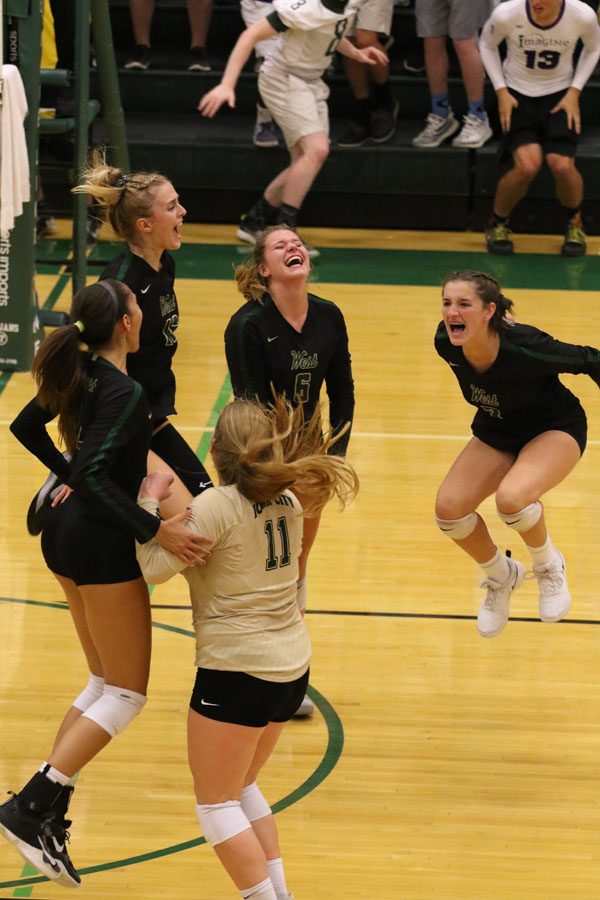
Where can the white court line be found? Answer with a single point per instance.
(369, 435)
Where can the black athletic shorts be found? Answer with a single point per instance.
(78, 542)
(514, 443)
(241, 699)
(533, 123)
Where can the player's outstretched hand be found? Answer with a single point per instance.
(506, 104)
(212, 102)
(570, 104)
(373, 56)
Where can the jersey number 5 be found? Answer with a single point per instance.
(274, 561)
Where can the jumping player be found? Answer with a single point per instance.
(144, 210)
(538, 103)
(291, 85)
(529, 431)
(252, 647)
(89, 546)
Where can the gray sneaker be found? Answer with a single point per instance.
(475, 132)
(266, 134)
(436, 130)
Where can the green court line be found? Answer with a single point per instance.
(220, 402)
(25, 891)
(330, 758)
(395, 267)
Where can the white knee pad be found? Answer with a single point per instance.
(221, 821)
(525, 519)
(91, 692)
(115, 709)
(458, 529)
(254, 804)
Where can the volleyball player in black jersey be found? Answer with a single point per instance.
(291, 342)
(144, 210)
(529, 431)
(89, 545)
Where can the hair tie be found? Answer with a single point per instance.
(121, 181)
(79, 326)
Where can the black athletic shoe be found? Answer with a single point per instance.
(140, 58)
(250, 228)
(574, 243)
(384, 122)
(497, 239)
(357, 134)
(198, 61)
(41, 840)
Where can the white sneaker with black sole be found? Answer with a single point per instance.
(494, 611)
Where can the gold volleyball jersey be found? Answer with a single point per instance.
(245, 612)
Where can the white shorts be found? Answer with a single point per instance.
(299, 107)
(376, 15)
(252, 11)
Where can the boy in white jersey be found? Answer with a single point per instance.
(291, 85)
(252, 647)
(538, 103)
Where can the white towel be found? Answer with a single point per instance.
(14, 161)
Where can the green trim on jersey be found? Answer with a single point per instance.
(124, 265)
(106, 445)
(592, 356)
(275, 22)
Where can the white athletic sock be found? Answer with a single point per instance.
(277, 876)
(264, 890)
(496, 568)
(544, 555)
(54, 775)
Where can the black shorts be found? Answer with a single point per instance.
(241, 699)
(78, 542)
(514, 443)
(533, 123)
